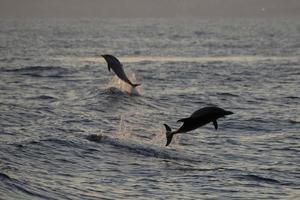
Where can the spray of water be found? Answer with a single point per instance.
(116, 83)
(158, 139)
(124, 132)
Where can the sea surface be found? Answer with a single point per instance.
(69, 129)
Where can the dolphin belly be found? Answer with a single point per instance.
(192, 124)
(121, 74)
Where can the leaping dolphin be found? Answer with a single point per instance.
(197, 119)
(114, 64)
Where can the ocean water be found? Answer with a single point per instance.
(69, 129)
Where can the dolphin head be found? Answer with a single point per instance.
(105, 56)
(112, 62)
(226, 112)
(108, 60)
(220, 112)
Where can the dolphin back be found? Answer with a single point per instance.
(210, 111)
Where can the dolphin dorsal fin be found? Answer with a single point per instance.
(183, 120)
(215, 124)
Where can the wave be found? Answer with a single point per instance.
(55, 141)
(40, 71)
(291, 121)
(291, 149)
(43, 97)
(14, 58)
(202, 33)
(14, 187)
(257, 178)
(4, 177)
(227, 94)
(292, 97)
(150, 150)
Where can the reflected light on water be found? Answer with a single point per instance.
(192, 59)
(200, 59)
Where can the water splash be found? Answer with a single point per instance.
(124, 132)
(159, 138)
(176, 142)
(126, 140)
(117, 84)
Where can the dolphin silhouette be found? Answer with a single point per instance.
(114, 64)
(197, 119)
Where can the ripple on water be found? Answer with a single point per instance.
(60, 109)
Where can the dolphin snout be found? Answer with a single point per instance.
(229, 113)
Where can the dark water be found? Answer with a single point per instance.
(66, 134)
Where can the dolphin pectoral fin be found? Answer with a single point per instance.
(215, 124)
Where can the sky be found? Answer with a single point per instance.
(148, 8)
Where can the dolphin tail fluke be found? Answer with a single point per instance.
(169, 134)
(135, 85)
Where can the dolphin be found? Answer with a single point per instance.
(114, 64)
(197, 119)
